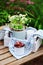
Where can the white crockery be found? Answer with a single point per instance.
(19, 51)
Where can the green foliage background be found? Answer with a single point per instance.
(39, 4)
(34, 11)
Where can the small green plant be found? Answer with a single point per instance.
(18, 21)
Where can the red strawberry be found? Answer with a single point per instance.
(19, 44)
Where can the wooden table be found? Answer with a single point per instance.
(6, 57)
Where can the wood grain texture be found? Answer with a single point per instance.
(27, 58)
(6, 57)
(7, 60)
(1, 47)
(1, 42)
(2, 51)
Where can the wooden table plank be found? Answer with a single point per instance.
(6, 55)
(7, 60)
(27, 58)
(3, 50)
(1, 47)
(1, 42)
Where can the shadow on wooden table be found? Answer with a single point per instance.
(36, 61)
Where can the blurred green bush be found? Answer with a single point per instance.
(34, 11)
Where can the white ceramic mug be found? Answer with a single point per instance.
(19, 51)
